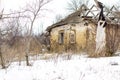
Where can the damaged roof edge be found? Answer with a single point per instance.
(55, 25)
(65, 20)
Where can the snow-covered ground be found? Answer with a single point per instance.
(74, 68)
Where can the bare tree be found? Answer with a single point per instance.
(58, 17)
(118, 4)
(3, 34)
(9, 30)
(1, 14)
(33, 12)
(1, 56)
(74, 5)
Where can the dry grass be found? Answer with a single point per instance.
(103, 54)
(16, 52)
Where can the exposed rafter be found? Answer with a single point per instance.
(112, 15)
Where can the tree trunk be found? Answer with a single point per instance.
(2, 61)
(27, 60)
(27, 53)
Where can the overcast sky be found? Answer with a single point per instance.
(56, 7)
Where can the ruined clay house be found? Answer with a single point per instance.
(77, 32)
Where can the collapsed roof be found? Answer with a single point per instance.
(112, 15)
